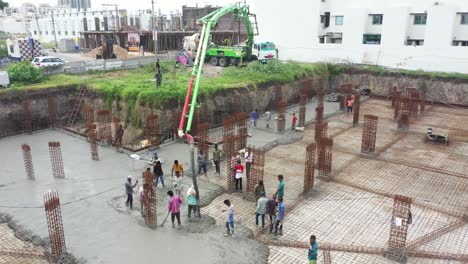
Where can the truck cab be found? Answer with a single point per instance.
(264, 51)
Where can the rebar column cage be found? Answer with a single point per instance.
(93, 142)
(56, 159)
(241, 121)
(152, 130)
(88, 112)
(150, 202)
(369, 134)
(256, 171)
(55, 224)
(229, 145)
(104, 125)
(28, 164)
(204, 138)
(302, 109)
(309, 167)
(399, 228)
(356, 108)
(325, 158)
(281, 116)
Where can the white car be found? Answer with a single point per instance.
(47, 61)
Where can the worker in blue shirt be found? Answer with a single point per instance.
(313, 250)
(279, 217)
(254, 116)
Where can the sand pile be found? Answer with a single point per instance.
(119, 52)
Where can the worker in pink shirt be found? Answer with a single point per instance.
(174, 207)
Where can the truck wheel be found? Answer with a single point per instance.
(234, 62)
(214, 61)
(224, 62)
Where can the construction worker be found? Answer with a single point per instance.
(239, 170)
(217, 159)
(118, 137)
(254, 116)
(158, 173)
(229, 218)
(350, 104)
(249, 158)
(178, 169)
(201, 162)
(174, 207)
(280, 191)
(271, 210)
(259, 189)
(261, 209)
(293, 121)
(268, 119)
(279, 216)
(129, 191)
(192, 201)
(313, 248)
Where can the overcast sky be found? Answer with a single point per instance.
(165, 5)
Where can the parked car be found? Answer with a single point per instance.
(47, 61)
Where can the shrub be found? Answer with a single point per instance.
(24, 73)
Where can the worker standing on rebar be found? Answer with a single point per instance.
(158, 174)
(192, 202)
(249, 158)
(259, 189)
(148, 177)
(178, 169)
(281, 185)
(118, 137)
(174, 207)
(271, 210)
(294, 121)
(129, 191)
(254, 116)
(239, 170)
(261, 209)
(229, 218)
(217, 159)
(279, 216)
(313, 250)
(201, 162)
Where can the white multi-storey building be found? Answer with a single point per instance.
(431, 35)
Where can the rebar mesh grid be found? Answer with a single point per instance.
(27, 116)
(55, 224)
(104, 126)
(18, 246)
(327, 257)
(318, 114)
(51, 110)
(399, 228)
(56, 159)
(152, 130)
(88, 115)
(369, 134)
(229, 138)
(396, 104)
(309, 167)
(150, 209)
(93, 142)
(394, 95)
(356, 108)
(325, 157)
(28, 164)
(321, 131)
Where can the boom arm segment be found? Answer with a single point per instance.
(209, 21)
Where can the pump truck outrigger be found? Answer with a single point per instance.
(222, 55)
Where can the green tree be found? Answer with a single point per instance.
(24, 73)
(3, 5)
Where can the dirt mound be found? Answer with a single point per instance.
(119, 52)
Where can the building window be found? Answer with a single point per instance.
(464, 19)
(12, 49)
(35, 32)
(420, 19)
(322, 39)
(463, 43)
(371, 39)
(415, 42)
(339, 20)
(377, 19)
(74, 33)
(47, 32)
(66, 33)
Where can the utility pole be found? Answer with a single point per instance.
(153, 31)
(53, 28)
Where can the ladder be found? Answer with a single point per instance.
(76, 107)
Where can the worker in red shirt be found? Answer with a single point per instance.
(294, 121)
(239, 170)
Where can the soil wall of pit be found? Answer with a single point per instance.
(443, 90)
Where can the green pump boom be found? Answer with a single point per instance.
(209, 21)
